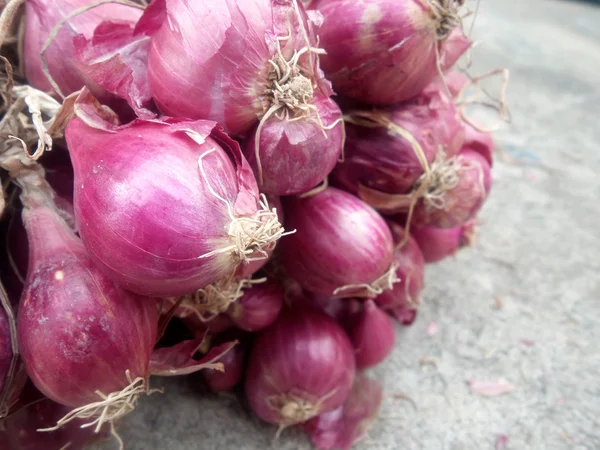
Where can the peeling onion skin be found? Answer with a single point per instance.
(41, 16)
(145, 211)
(339, 241)
(371, 45)
(304, 353)
(78, 332)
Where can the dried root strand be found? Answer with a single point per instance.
(112, 406)
(383, 283)
(498, 103)
(296, 406)
(447, 17)
(251, 237)
(216, 298)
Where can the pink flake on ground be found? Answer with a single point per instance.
(432, 328)
(491, 388)
(501, 442)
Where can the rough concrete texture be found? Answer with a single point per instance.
(536, 257)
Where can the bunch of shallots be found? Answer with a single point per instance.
(209, 204)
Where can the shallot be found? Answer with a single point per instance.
(299, 367)
(342, 247)
(382, 52)
(167, 207)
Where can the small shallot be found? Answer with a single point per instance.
(299, 367)
(342, 247)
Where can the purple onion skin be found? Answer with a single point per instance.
(365, 60)
(373, 336)
(305, 354)
(78, 332)
(462, 202)
(146, 213)
(220, 323)
(258, 308)
(410, 271)
(233, 362)
(21, 429)
(339, 241)
(41, 16)
(381, 160)
(297, 156)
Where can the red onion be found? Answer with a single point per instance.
(439, 243)
(41, 16)
(233, 365)
(343, 427)
(258, 307)
(382, 52)
(410, 267)
(341, 247)
(167, 232)
(381, 155)
(21, 429)
(293, 157)
(299, 367)
(258, 76)
(80, 334)
(456, 192)
(372, 335)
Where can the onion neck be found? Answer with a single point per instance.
(444, 175)
(445, 14)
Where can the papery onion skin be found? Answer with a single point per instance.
(41, 16)
(303, 356)
(372, 335)
(383, 52)
(146, 212)
(410, 268)
(78, 332)
(258, 308)
(437, 244)
(380, 159)
(233, 364)
(339, 241)
(462, 202)
(295, 156)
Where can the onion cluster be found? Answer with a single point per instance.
(250, 188)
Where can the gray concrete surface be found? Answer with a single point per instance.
(538, 252)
